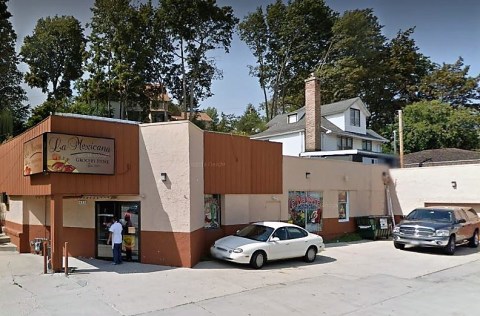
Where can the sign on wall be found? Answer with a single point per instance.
(33, 156)
(305, 209)
(63, 153)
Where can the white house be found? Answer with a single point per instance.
(337, 130)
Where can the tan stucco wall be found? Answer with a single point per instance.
(364, 183)
(196, 177)
(416, 186)
(165, 147)
(14, 211)
(36, 210)
(79, 215)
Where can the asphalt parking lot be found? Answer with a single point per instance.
(361, 278)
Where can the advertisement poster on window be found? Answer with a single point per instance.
(212, 211)
(305, 209)
(342, 205)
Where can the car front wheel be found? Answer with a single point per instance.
(399, 245)
(311, 254)
(473, 242)
(258, 260)
(450, 248)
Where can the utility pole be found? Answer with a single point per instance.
(400, 134)
(395, 142)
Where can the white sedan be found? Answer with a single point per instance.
(262, 241)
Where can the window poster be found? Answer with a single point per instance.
(305, 209)
(343, 205)
(212, 208)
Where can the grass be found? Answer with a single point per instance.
(348, 237)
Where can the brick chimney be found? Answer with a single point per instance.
(313, 115)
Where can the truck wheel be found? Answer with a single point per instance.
(473, 242)
(450, 248)
(399, 245)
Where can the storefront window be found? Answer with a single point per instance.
(212, 208)
(305, 209)
(343, 206)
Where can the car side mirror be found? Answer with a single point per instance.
(274, 239)
(462, 220)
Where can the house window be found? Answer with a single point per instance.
(212, 208)
(355, 117)
(292, 118)
(344, 143)
(367, 145)
(305, 209)
(343, 206)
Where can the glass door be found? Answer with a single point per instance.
(128, 214)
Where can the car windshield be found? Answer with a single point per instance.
(431, 215)
(255, 232)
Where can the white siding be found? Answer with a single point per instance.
(338, 120)
(330, 142)
(292, 144)
(363, 121)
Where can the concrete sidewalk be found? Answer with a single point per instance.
(347, 278)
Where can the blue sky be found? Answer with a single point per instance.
(445, 30)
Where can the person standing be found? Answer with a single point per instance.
(116, 238)
(128, 237)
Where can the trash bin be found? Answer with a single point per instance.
(373, 227)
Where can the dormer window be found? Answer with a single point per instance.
(292, 118)
(355, 117)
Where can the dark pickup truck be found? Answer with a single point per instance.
(438, 226)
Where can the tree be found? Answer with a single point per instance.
(12, 112)
(118, 55)
(195, 28)
(432, 125)
(54, 54)
(355, 65)
(288, 41)
(451, 84)
(250, 122)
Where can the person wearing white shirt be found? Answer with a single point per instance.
(116, 238)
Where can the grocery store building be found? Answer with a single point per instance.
(181, 187)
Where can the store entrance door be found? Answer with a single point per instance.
(128, 214)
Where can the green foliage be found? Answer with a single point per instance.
(195, 28)
(54, 54)
(288, 41)
(46, 109)
(355, 65)
(451, 84)
(432, 125)
(250, 122)
(12, 112)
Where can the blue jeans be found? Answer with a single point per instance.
(117, 253)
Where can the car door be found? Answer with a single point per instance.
(279, 249)
(462, 230)
(298, 242)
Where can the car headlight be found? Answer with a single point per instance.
(396, 229)
(238, 250)
(442, 233)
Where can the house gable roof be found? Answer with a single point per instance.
(279, 124)
(439, 157)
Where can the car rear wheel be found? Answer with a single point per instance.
(311, 254)
(399, 245)
(473, 242)
(450, 248)
(258, 260)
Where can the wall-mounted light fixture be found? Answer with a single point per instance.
(163, 176)
(454, 184)
(307, 175)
